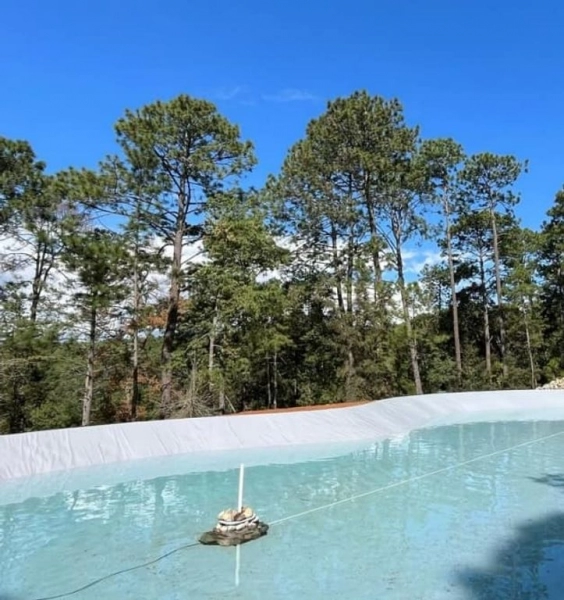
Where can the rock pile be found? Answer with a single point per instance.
(233, 520)
(557, 384)
(235, 527)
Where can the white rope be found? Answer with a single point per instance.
(411, 479)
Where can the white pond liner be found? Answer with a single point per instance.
(61, 450)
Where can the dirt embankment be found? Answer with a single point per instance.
(302, 408)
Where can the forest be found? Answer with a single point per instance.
(161, 285)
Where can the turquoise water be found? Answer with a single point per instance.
(439, 526)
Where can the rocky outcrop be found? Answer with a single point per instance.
(557, 384)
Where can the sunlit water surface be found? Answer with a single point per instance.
(487, 529)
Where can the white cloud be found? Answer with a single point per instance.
(242, 94)
(416, 260)
(230, 93)
(290, 95)
(63, 285)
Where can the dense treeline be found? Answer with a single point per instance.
(159, 286)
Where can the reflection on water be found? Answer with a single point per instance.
(450, 535)
(553, 479)
(529, 566)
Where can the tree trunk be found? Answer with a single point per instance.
(211, 351)
(487, 340)
(193, 384)
(268, 388)
(211, 357)
(350, 374)
(350, 273)
(374, 240)
(135, 392)
(222, 398)
(34, 304)
(35, 297)
(530, 350)
(455, 325)
(407, 318)
(501, 319)
(487, 335)
(41, 273)
(337, 269)
(374, 237)
(171, 323)
(90, 362)
(275, 380)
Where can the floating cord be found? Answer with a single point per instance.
(97, 581)
(314, 510)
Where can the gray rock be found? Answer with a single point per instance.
(234, 538)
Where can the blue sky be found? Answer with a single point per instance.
(487, 73)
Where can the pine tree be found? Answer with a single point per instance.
(551, 269)
(191, 151)
(99, 261)
(487, 181)
(443, 157)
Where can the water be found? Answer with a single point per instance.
(489, 529)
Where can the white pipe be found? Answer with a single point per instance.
(241, 478)
(240, 508)
(237, 564)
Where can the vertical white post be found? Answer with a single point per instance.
(237, 563)
(241, 478)
(239, 508)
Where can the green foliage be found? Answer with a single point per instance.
(292, 295)
(21, 175)
(551, 271)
